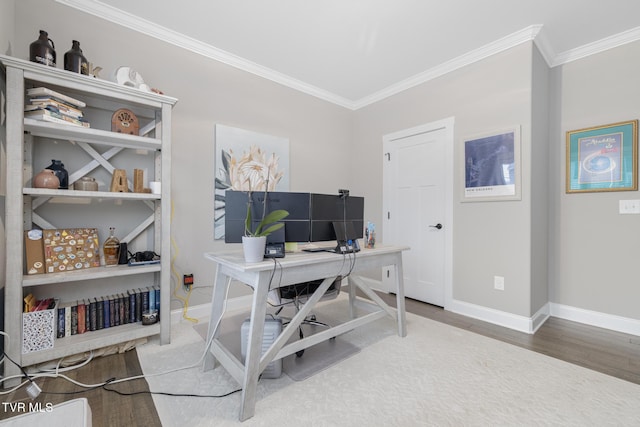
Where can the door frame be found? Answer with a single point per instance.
(387, 143)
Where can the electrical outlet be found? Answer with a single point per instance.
(498, 283)
(629, 207)
(187, 282)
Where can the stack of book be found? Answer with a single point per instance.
(93, 314)
(51, 106)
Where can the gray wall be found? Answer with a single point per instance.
(595, 249)
(208, 92)
(490, 238)
(7, 26)
(592, 253)
(539, 183)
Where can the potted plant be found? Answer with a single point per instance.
(255, 239)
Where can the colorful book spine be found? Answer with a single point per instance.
(132, 305)
(152, 299)
(93, 315)
(138, 305)
(145, 300)
(157, 292)
(100, 313)
(108, 318)
(74, 319)
(123, 309)
(67, 320)
(87, 319)
(60, 329)
(82, 316)
(114, 306)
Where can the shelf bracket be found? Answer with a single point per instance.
(41, 222)
(100, 159)
(139, 229)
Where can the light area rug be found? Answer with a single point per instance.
(438, 375)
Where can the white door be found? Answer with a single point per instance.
(417, 203)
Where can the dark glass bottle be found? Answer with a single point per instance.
(43, 50)
(58, 168)
(75, 61)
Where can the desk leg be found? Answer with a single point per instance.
(217, 308)
(352, 298)
(254, 347)
(402, 316)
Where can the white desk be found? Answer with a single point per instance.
(294, 268)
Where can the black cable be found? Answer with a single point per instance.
(4, 354)
(133, 393)
(110, 380)
(352, 262)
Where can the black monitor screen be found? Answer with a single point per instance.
(296, 224)
(311, 216)
(327, 209)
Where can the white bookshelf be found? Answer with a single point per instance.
(27, 207)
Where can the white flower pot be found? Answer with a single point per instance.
(253, 248)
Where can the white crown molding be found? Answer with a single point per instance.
(545, 47)
(486, 51)
(611, 42)
(530, 33)
(148, 28)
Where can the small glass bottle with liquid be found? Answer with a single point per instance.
(111, 248)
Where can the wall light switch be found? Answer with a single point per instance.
(629, 207)
(498, 283)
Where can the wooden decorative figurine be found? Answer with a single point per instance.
(119, 181)
(138, 181)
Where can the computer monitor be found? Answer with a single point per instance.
(329, 208)
(297, 223)
(311, 216)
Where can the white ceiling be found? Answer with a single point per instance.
(354, 52)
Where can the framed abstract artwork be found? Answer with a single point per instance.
(247, 161)
(603, 158)
(492, 166)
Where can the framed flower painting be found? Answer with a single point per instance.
(247, 161)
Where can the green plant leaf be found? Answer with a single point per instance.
(274, 216)
(270, 229)
(269, 221)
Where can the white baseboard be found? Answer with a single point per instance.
(601, 320)
(203, 311)
(540, 317)
(497, 317)
(531, 325)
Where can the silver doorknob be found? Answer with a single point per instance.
(438, 226)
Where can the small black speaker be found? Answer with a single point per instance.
(124, 254)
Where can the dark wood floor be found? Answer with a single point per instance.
(609, 352)
(108, 408)
(612, 353)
